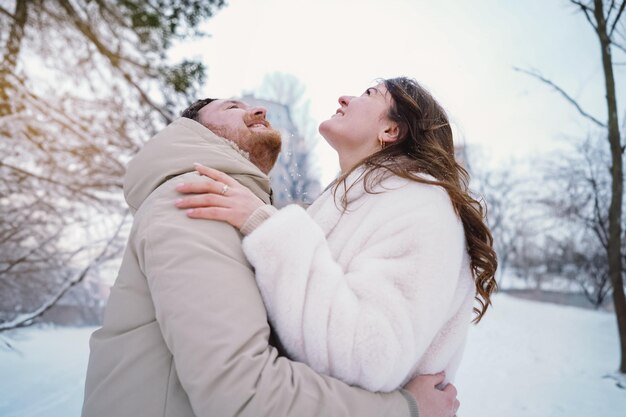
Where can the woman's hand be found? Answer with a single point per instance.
(220, 198)
(431, 400)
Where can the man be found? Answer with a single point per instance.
(185, 332)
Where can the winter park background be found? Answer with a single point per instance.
(528, 359)
(84, 83)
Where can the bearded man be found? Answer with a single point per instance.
(185, 331)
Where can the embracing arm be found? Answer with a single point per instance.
(214, 323)
(368, 320)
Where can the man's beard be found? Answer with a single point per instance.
(262, 146)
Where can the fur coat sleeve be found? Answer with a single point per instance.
(367, 295)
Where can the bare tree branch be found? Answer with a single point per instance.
(70, 124)
(621, 9)
(7, 13)
(51, 181)
(27, 255)
(598, 223)
(166, 116)
(563, 93)
(618, 46)
(12, 49)
(611, 8)
(111, 12)
(27, 319)
(586, 9)
(113, 58)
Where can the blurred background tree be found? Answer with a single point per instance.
(294, 179)
(578, 196)
(83, 83)
(585, 194)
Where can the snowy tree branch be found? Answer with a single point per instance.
(51, 181)
(24, 320)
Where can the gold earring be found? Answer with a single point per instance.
(382, 143)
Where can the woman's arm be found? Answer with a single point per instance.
(370, 322)
(367, 322)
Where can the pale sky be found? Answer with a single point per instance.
(463, 51)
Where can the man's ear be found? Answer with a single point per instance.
(389, 133)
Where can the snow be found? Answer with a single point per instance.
(47, 374)
(538, 359)
(524, 359)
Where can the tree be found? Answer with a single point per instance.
(577, 189)
(292, 178)
(501, 191)
(608, 22)
(82, 84)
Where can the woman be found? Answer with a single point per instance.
(375, 282)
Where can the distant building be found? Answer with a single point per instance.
(292, 179)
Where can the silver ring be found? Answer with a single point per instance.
(225, 189)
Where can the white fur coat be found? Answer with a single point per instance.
(371, 296)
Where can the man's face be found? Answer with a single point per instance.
(246, 126)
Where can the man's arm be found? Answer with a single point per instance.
(214, 323)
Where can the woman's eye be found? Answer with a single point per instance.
(234, 106)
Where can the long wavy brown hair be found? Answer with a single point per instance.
(425, 146)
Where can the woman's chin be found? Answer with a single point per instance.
(326, 129)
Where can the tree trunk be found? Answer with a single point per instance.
(11, 52)
(615, 209)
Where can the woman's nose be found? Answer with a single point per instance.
(345, 100)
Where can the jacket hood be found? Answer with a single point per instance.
(172, 152)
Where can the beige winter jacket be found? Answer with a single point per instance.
(185, 332)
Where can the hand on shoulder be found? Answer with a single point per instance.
(220, 197)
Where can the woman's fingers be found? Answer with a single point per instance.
(451, 389)
(457, 405)
(202, 200)
(210, 213)
(216, 175)
(218, 183)
(438, 378)
(207, 186)
(219, 197)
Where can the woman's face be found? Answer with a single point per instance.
(354, 130)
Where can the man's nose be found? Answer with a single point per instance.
(259, 112)
(345, 100)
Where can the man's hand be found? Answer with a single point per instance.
(431, 401)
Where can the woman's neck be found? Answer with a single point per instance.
(345, 164)
(348, 160)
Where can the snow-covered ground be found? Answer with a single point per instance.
(46, 376)
(525, 359)
(537, 359)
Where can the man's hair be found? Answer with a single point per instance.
(191, 112)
